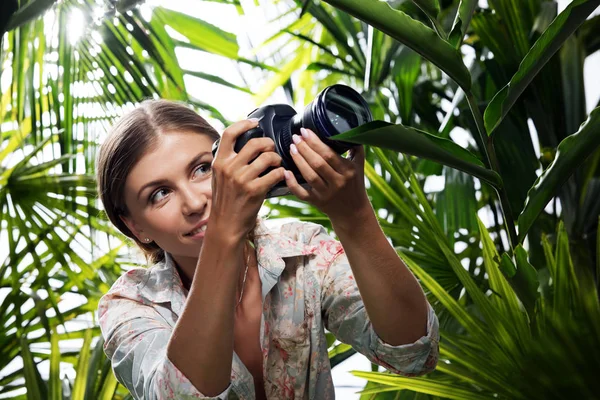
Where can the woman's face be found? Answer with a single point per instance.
(168, 193)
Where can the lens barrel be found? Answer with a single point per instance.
(337, 109)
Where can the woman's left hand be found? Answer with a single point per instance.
(337, 184)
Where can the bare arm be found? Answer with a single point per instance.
(201, 345)
(384, 281)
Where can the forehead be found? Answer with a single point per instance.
(170, 153)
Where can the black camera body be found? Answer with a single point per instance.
(335, 110)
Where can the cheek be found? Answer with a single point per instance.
(164, 219)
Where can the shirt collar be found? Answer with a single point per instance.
(272, 248)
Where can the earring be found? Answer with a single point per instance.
(147, 240)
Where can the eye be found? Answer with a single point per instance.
(158, 195)
(202, 169)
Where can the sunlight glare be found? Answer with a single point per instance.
(75, 25)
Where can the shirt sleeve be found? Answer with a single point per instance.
(136, 338)
(345, 316)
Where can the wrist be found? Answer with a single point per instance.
(225, 235)
(350, 222)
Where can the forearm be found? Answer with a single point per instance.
(393, 298)
(201, 345)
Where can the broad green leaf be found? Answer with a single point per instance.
(421, 144)
(429, 7)
(461, 22)
(412, 33)
(525, 281)
(200, 33)
(405, 74)
(564, 280)
(590, 34)
(548, 11)
(571, 152)
(456, 205)
(516, 19)
(507, 266)
(544, 48)
(572, 60)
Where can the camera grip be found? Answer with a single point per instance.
(246, 136)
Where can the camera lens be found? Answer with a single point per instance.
(335, 110)
(345, 109)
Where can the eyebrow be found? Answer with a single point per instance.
(158, 182)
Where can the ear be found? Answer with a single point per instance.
(134, 228)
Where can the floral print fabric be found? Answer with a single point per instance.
(307, 286)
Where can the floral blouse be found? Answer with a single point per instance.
(307, 286)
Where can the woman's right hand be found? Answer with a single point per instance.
(237, 190)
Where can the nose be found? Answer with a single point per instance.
(193, 200)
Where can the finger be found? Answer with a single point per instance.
(259, 165)
(295, 188)
(265, 183)
(254, 148)
(231, 134)
(317, 161)
(310, 175)
(316, 144)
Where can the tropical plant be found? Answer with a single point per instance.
(488, 129)
(62, 94)
(393, 78)
(94, 379)
(505, 351)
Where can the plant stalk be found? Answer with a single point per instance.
(480, 126)
(490, 155)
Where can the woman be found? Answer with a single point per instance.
(230, 308)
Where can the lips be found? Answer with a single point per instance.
(198, 229)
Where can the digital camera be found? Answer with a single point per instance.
(337, 109)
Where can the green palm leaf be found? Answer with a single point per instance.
(550, 41)
(571, 152)
(410, 32)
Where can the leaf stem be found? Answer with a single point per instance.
(480, 126)
(490, 154)
(507, 214)
(437, 27)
